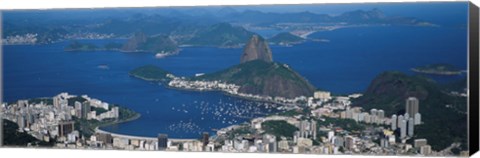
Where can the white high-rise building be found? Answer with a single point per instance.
(406, 116)
(314, 129)
(381, 114)
(403, 128)
(418, 118)
(399, 120)
(411, 123)
(373, 112)
(411, 106)
(394, 122)
(330, 135)
(373, 117)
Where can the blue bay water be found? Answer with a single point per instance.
(346, 64)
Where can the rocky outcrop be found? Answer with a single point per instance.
(256, 49)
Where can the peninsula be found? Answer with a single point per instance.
(438, 69)
(256, 77)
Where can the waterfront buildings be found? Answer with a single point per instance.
(162, 141)
(322, 95)
(205, 138)
(333, 139)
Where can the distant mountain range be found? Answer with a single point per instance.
(220, 35)
(184, 26)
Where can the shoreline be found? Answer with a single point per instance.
(98, 130)
(137, 116)
(225, 93)
(165, 84)
(434, 72)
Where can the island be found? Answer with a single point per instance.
(161, 45)
(438, 69)
(286, 39)
(150, 73)
(78, 46)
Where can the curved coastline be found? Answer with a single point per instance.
(138, 115)
(98, 130)
(223, 92)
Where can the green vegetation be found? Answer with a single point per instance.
(12, 137)
(221, 35)
(264, 78)
(458, 86)
(87, 127)
(279, 128)
(126, 114)
(98, 111)
(71, 101)
(285, 38)
(150, 73)
(346, 124)
(243, 130)
(440, 111)
(438, 69)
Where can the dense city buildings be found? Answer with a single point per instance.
(319, 130)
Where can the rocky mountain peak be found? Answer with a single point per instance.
(256, 49)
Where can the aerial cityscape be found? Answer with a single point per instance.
(361, 79)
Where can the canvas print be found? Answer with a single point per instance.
(361, 79)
